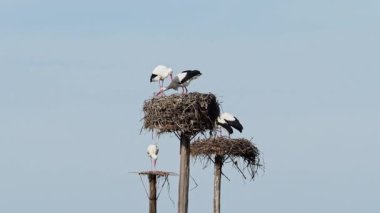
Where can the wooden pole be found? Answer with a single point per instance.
(152, 193)
(183, 189)
(217, 182)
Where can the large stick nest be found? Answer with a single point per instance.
(230, 149)
(186, 113)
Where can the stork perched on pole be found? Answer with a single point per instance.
(160, 73)
(182, 80)
(229, 121)
(152, 151)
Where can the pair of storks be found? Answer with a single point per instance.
(183, 79)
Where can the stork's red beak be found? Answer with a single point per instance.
(154, 163)
(171, 76)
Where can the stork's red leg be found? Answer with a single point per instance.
(159, 92)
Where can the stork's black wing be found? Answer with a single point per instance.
(190, 75)
(227, 127)
(235, 124)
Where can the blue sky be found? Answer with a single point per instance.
(302, 77)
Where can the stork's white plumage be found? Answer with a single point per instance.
(228, 121)
(182, 80)
(152, 151)
(160, 73)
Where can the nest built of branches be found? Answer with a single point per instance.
(181, 113)
(231, 150)
(158, 173)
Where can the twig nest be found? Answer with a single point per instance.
(230, 149)
(157, 173)
(238, 147)
(185, 113)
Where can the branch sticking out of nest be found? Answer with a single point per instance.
(229, 148)
(186, 113)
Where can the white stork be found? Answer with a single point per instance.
(160, 73)
(228, 121)
(152, 151)
(182, 80)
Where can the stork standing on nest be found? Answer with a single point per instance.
(228, 121)
(152, 151)
(182, 80)
(160, 73)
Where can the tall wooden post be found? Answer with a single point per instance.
(217, 182)
(152, 193)
(183, 189)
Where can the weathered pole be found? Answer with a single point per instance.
(152, 193)
(183, 189)
(217, 182)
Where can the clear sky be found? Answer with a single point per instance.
(302, 76)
